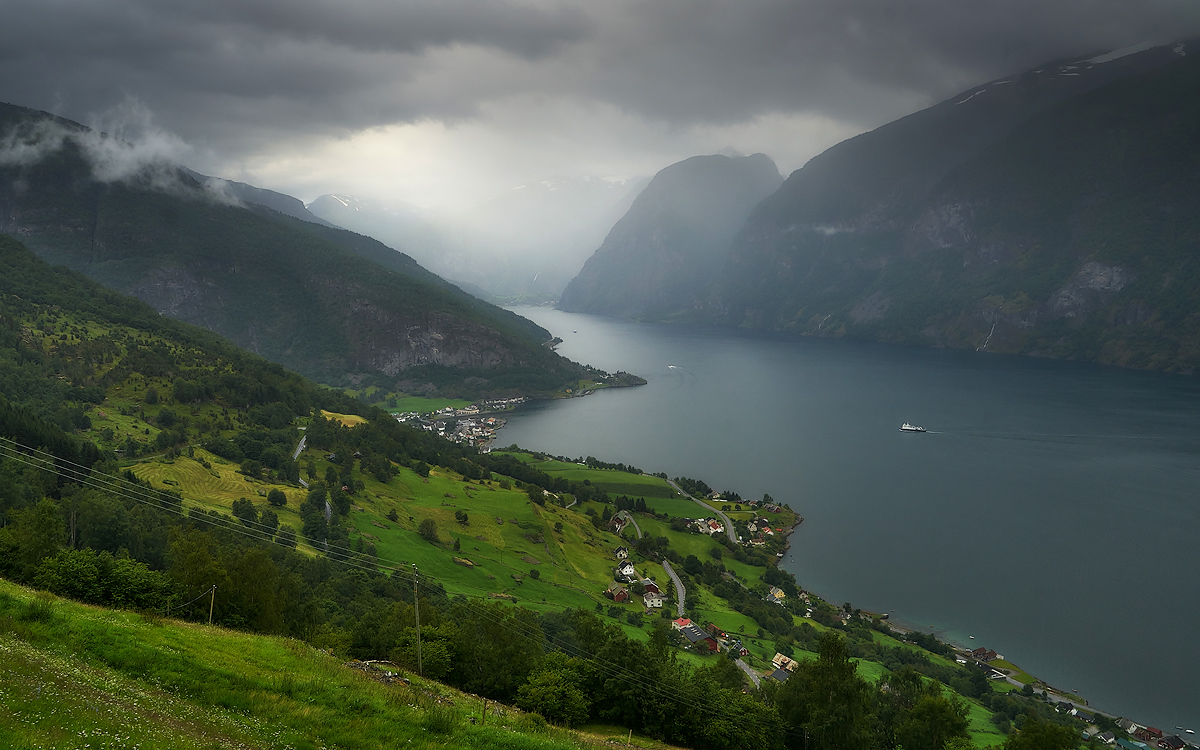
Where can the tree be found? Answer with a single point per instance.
(269, 520)
(535, 574)
(428, 529)
(38, 532)
(933, 722)
(555, 691)
(461, 517)
(827, 699)
(1038, 734)
(245, 512)
(277, 497)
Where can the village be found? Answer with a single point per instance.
(469, 425)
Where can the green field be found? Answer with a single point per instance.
(76, 676)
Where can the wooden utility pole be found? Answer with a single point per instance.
(211, 602)
(417, 608)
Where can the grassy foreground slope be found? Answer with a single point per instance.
(75, 676)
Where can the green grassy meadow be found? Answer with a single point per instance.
(76, 676)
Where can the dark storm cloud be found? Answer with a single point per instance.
(236, 74)
(276, 65)
(715, 60)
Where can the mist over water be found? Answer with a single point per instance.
(1051, 511)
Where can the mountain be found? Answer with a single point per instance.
(240, 191)
(325, 302)
(528, 241)
(1048, 213)
(674, 239)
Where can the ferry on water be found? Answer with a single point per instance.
(906, 427)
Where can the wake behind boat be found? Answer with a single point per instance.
(906, 427)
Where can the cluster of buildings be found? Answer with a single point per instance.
(708, 526)
(760, 529)
(477, 432)
(624, 575)
(471, 428)
(475, 409)
(1146, 737)
(709, 639)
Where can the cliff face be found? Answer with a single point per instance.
(1041, 214)
(320, 300)
(673, 239)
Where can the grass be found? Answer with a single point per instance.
(1018, 674)
(85, 677)
(349, 420)
(422, 405)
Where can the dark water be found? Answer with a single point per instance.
(1052, 510)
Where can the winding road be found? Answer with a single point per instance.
(680, 592)
(728, 524)
(629, 517)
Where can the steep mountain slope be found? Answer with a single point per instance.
(674, 238)
(1057, 225)
(528, 241)
(325, 302)
(256, 196)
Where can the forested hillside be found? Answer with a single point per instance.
(149, 465)
(335, 306)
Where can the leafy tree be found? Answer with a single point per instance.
(1036, 733)
(826, 698)
(428, 529)
(37, 533)
(269, 520)
(933, 722)
(555, 694)
(277, 497)
(244, 511)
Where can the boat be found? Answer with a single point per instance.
(906, 427)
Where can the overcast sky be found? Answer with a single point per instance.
(444, 101)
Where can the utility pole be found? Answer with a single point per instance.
(417, 608)
(211, 602)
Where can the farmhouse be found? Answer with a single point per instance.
(699, 639)
(784, 662)
(617, 592)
